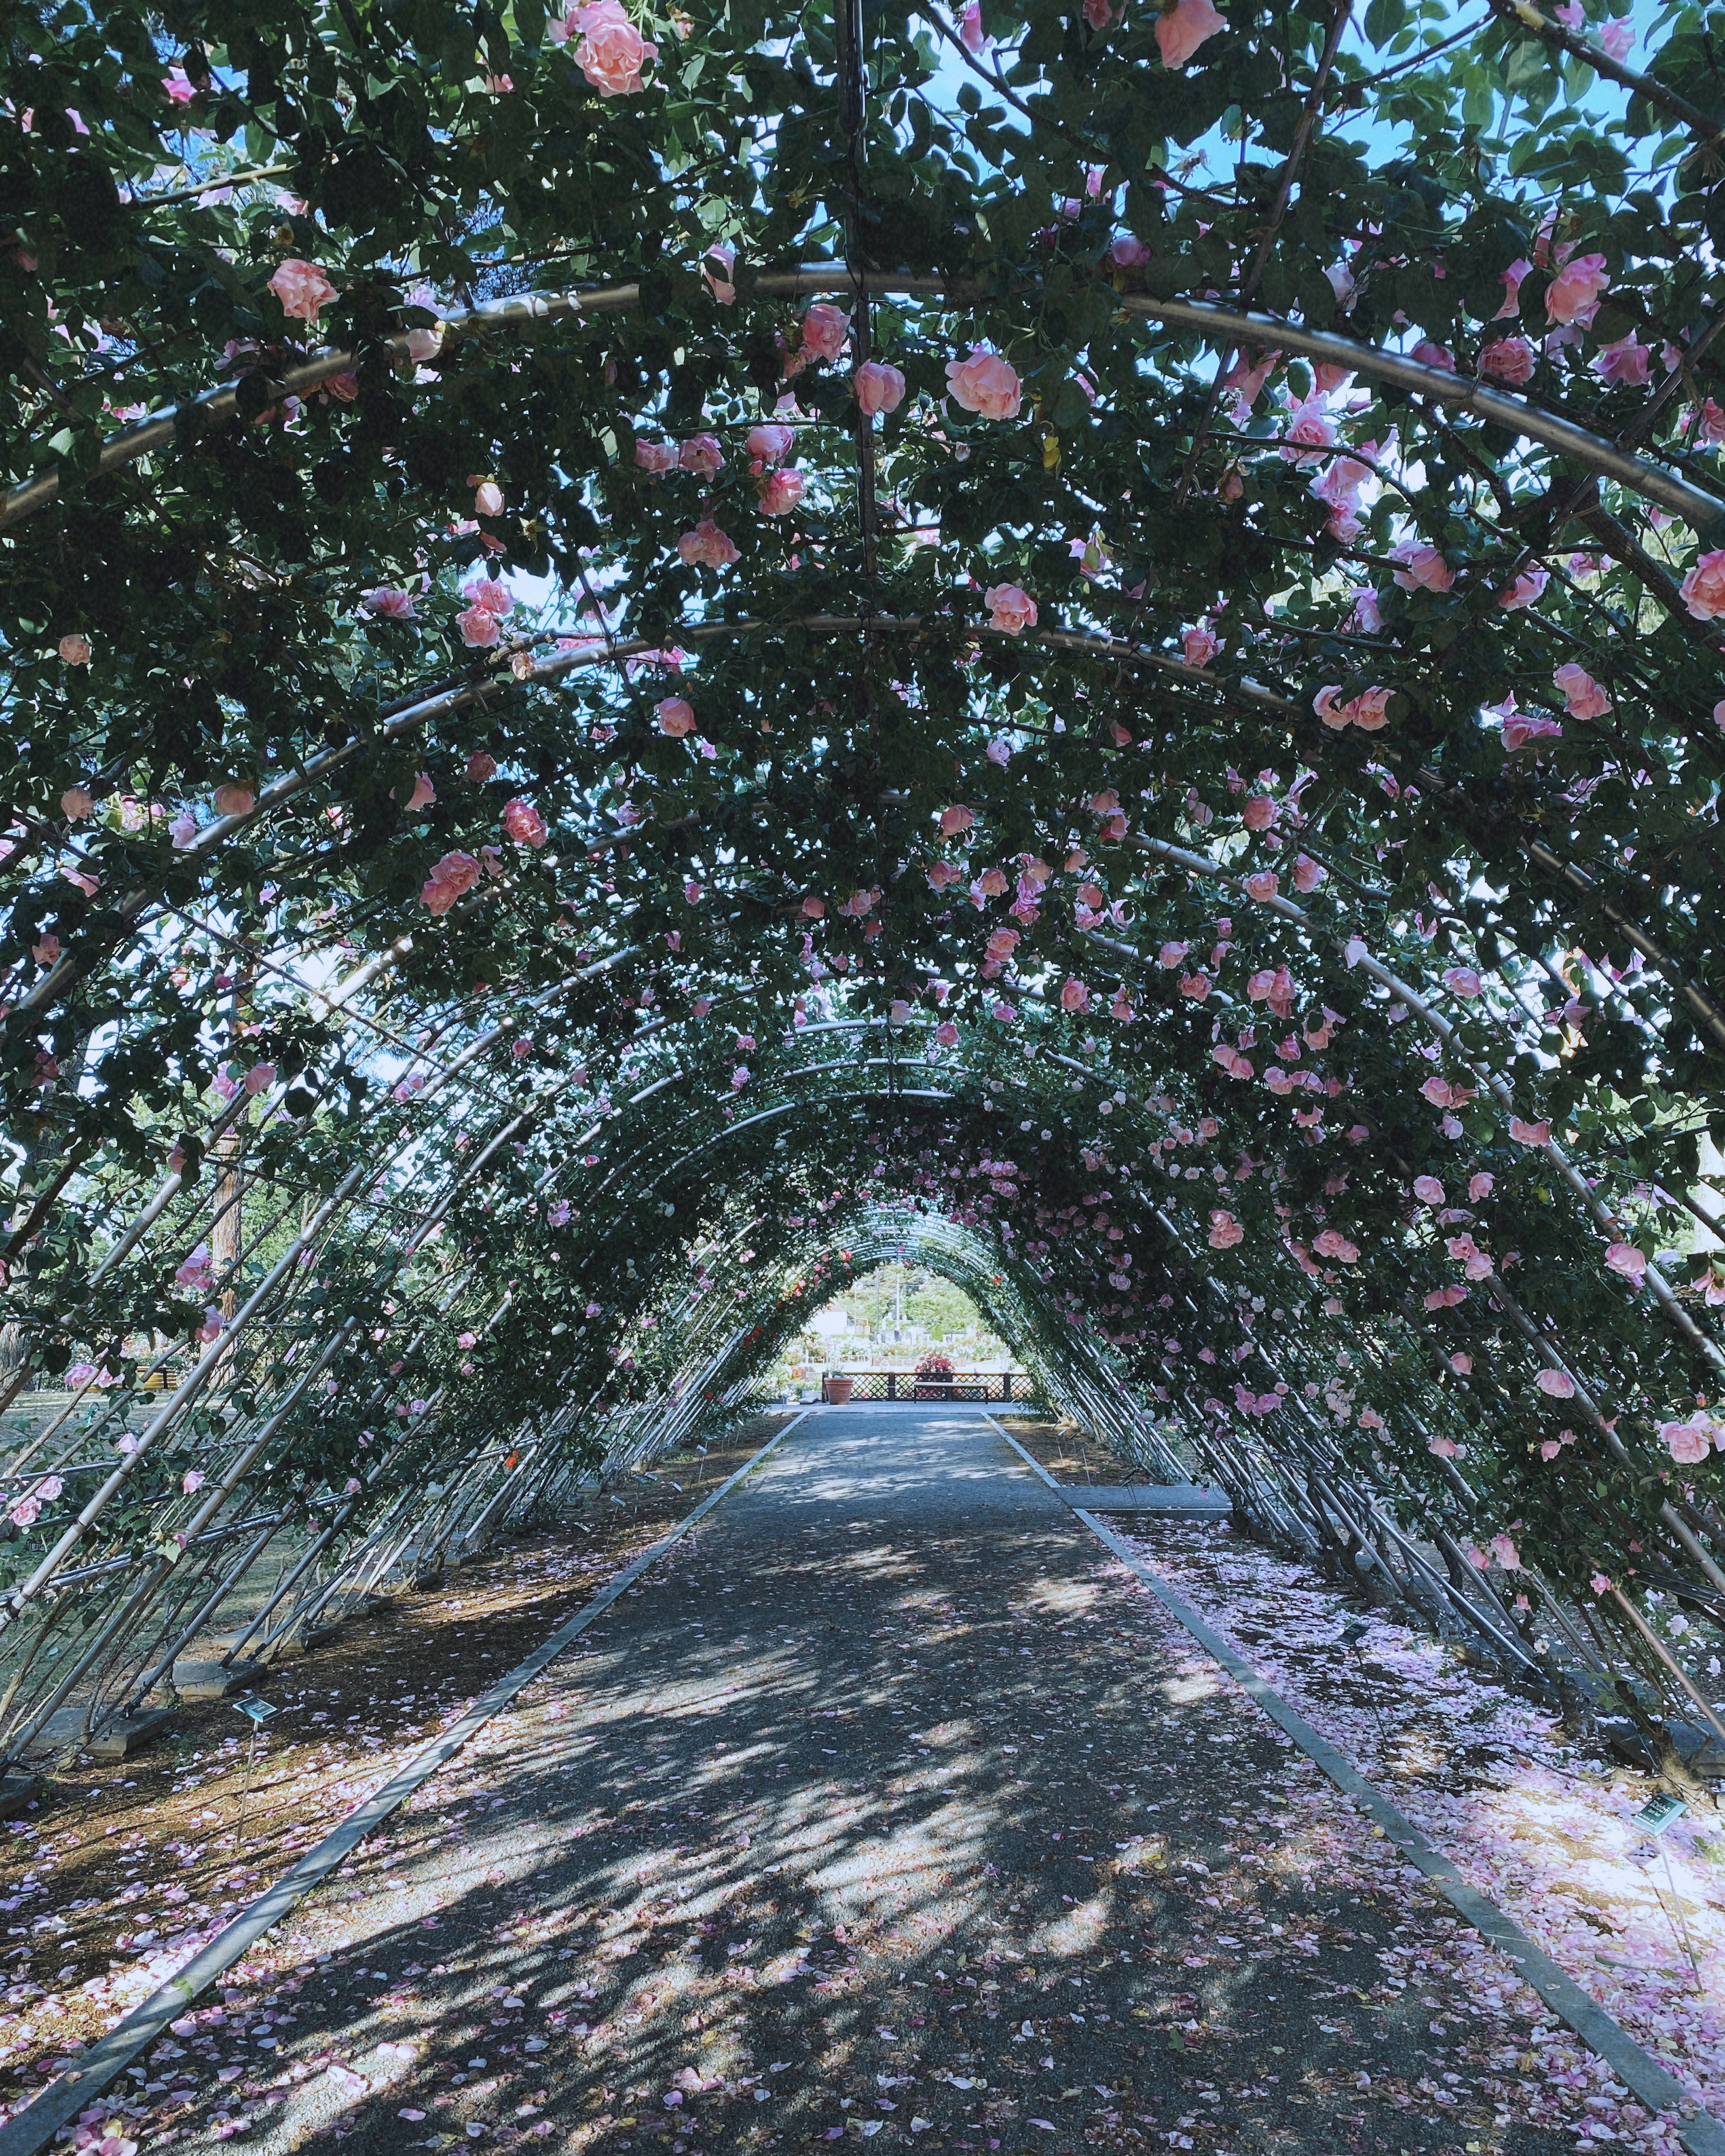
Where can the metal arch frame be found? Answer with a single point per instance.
(1216, 324)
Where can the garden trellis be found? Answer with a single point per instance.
(655, 657)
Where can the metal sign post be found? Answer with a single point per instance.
(1656, 1815)
(255, 1711)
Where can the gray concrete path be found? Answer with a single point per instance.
(887, 1810)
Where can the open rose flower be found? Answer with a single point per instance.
(676, 717)
(1181, 29)
(656, 457)
(820, 335)
(702, 455)
(1573, 294)
(1225, 1231)
(77, 803)
(1626, 1260)
(302, 289)
(1423, 569)
(879, 387)
(780, 492)
(523, 823)
(1074, 995)
(1704, 591)
(984, 383)
(74, 649)
(1556, 1384)
(707, 547)
(1009, 608)
(236, 799)
(612, 51)
(1509, 359)
(454, 874)
(1687, 1442)
(768, 445)
(1583, 696)
(1367, 710)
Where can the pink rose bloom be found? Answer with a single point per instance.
(1525, 588)
(1462, 981)
(1617, 37)
(259, 1078)
(1308, 873)
(422, 794)
(1574, 293)
(478, 625)
(780, 492)
(815, 909)
(1583, 696)
(1687, 1444)
(1556, 1384)
(820, 335)
(1128, 252)
(1332, 1243)
(1310, 427)
(523, 823)
(1259, 812)
(1513, 290)
(739, 1077)
(1196, 986)
(721, 255)
(1530, 1134)
(1625, 1259)
(956, 819)
(1009, 608)
(999, 751)
(1424, 569)
(1199, 645)
(656, 457)
(984, 383)
(1183, 28)
(1509, 359)
(1366, 711)
(970, 29)
(74, 650)
(385, 601)
(1626, 363)
(943, 874)
(233, 799)
(1434, 355)
(47, 951)
(768, 445)
(491, 593)
(1478, 1187)
(1709, 425)
(879, 387)
(612, 51)
(1075, 996)
(454, 874)
(676, 717)
(1263, 886)
(183, 830)
(1428, 1190)
(1524, 727)
(480, 766)
(77, 803)
(700, 454)
(707, 547)
(946, 1033)
(487, 498)
(179, 86)
(1225, 1231)
(302, 289)
(1704, 586)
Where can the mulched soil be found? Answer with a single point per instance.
(886, 1808)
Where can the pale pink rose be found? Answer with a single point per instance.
(1225, 1231)
(970, 29)
(1462, 981)
(47, 951)
(1583, 696)
(984, 383)
(423, 795)
(487, 499)
(879, 387)
(1618, 38)
(389, 604)
(1523, 728)
(768, 445)
(523, 823)
(454, 874)
(1263, 886)
(1075, 996)
(1199, 645)
(656, 457)
(1709, 425)
(943, 874)
(700, 454)
(479, 626)
(180, 88)
(1196, 986)
(956, 819)
(612, 51)
(1556, 1384)
(780, 492)
(1573, 293)
(1128, 252)
(675, 717)
(1478, 1187)
(1423, 569)
(1626, 363)
(1183, 28)
(1310, 428)
(1525, 588)
(946, 1033)
(1009, 608)
(1259, 812)
(1308, 873)
(491, 593)
(1366, 711)
(1098, 14)
(233, 799)
(1704, 586)
(1428, 1190)
(74, 650)
(1512, 279)
(259, 1078)
(183, 830)
(820, 335)
(720, 257)
(815, 909)
(1434, 355)
(1686, 1442)
(302, 289)
(480, 766)
(999, 751)
(1530, 1134)
(1509, 359)
(739, 1077)
(1625, 1259)
(707, 546)
(77, 803)
(1332, 1244)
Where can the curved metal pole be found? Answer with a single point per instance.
(1217, 325)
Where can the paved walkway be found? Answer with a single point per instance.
(889, 1810)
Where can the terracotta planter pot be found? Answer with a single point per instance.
(839, 1391)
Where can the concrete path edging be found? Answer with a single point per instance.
(1698, 2130)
